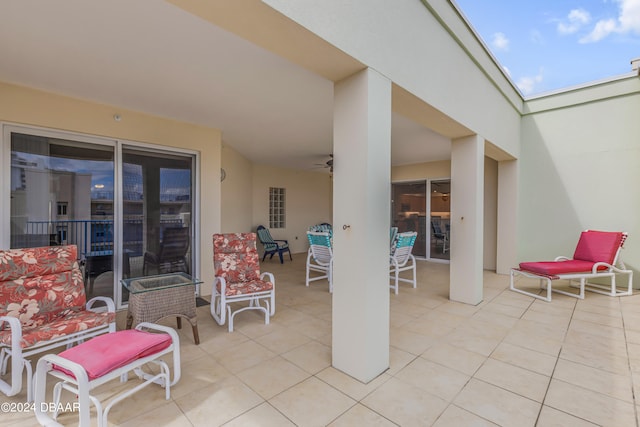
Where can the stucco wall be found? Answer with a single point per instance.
(579, 170)
(308, 202)
(236, 203)
(407, 43)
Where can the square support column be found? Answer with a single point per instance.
(467, 219)
(507, 247)
(361, 218)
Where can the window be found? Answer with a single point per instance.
(62, 208)
(277, 207)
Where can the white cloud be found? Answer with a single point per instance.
(528, 84)
(575, 20)
(500, 41)
(536, 37)
(628, 21)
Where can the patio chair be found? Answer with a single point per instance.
(393, 235)
(320, 257)
(324, 227)
(271, 246)
(237, 278)
(440, 236)
(172, 255)
(596, 257)
(401, 259)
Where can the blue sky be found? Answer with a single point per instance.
(546, 45)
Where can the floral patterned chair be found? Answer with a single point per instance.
(43, 306)
(238, 278)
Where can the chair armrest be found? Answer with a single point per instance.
(111, 307)
(562, 258)
(281, 240)
(223, 284)
(271, 278)
(16, 330)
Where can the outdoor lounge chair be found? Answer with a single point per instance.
(596, 256)
(271, 246)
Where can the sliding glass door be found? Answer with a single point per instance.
(157, 200)
(62, 192)
(128, 208)
(409, 210)
(440, 213)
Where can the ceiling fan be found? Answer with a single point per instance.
(328, 164)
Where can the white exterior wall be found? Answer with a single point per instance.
(308, 202)
(406, 43)
(579, 169)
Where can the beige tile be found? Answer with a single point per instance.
(495, 318)
(405, 404)
(197, 375)
(218, 403)
(589, 405)
(613, 385)
(313, 328)
(595, 342)
(410, 341)
(243, 356)
(312, 356)
(349, 385)
(263, 415)
(497, 405)
(436, 379)
(525, 358)
(321, 403)
(168, 415)
(517, 380)
(360, 415)
(534, 341)
(478, 336)
(398, 359)
(454, 416)
(550, 417)
(461, 360)
(596, 358)
(272, 376)
(282, 340)
(505, 309)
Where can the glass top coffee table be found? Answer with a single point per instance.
(152, 298)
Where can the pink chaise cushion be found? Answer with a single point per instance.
(554, 268)
(103, 354)
(598, 246)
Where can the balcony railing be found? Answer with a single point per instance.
(90, 236)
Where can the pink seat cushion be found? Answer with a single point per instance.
(103, 354)
(554, 268)
(598, 246)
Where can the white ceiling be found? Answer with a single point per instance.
(150, 56)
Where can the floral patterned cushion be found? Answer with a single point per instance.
(235, 257)
(32, 262)
(250, 287)
(38, 284)
(68, 322)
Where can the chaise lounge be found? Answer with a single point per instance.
(597, 256)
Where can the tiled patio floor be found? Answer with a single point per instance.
(511, 361)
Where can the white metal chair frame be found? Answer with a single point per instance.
(402, 259)
(320, 257)
(80, 385)
(617, 267)
(220, 301)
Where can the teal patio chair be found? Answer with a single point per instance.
(271, 246)
(320, 257)
(402, 259)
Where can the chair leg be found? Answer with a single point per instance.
(280, 255)
(290, 257)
